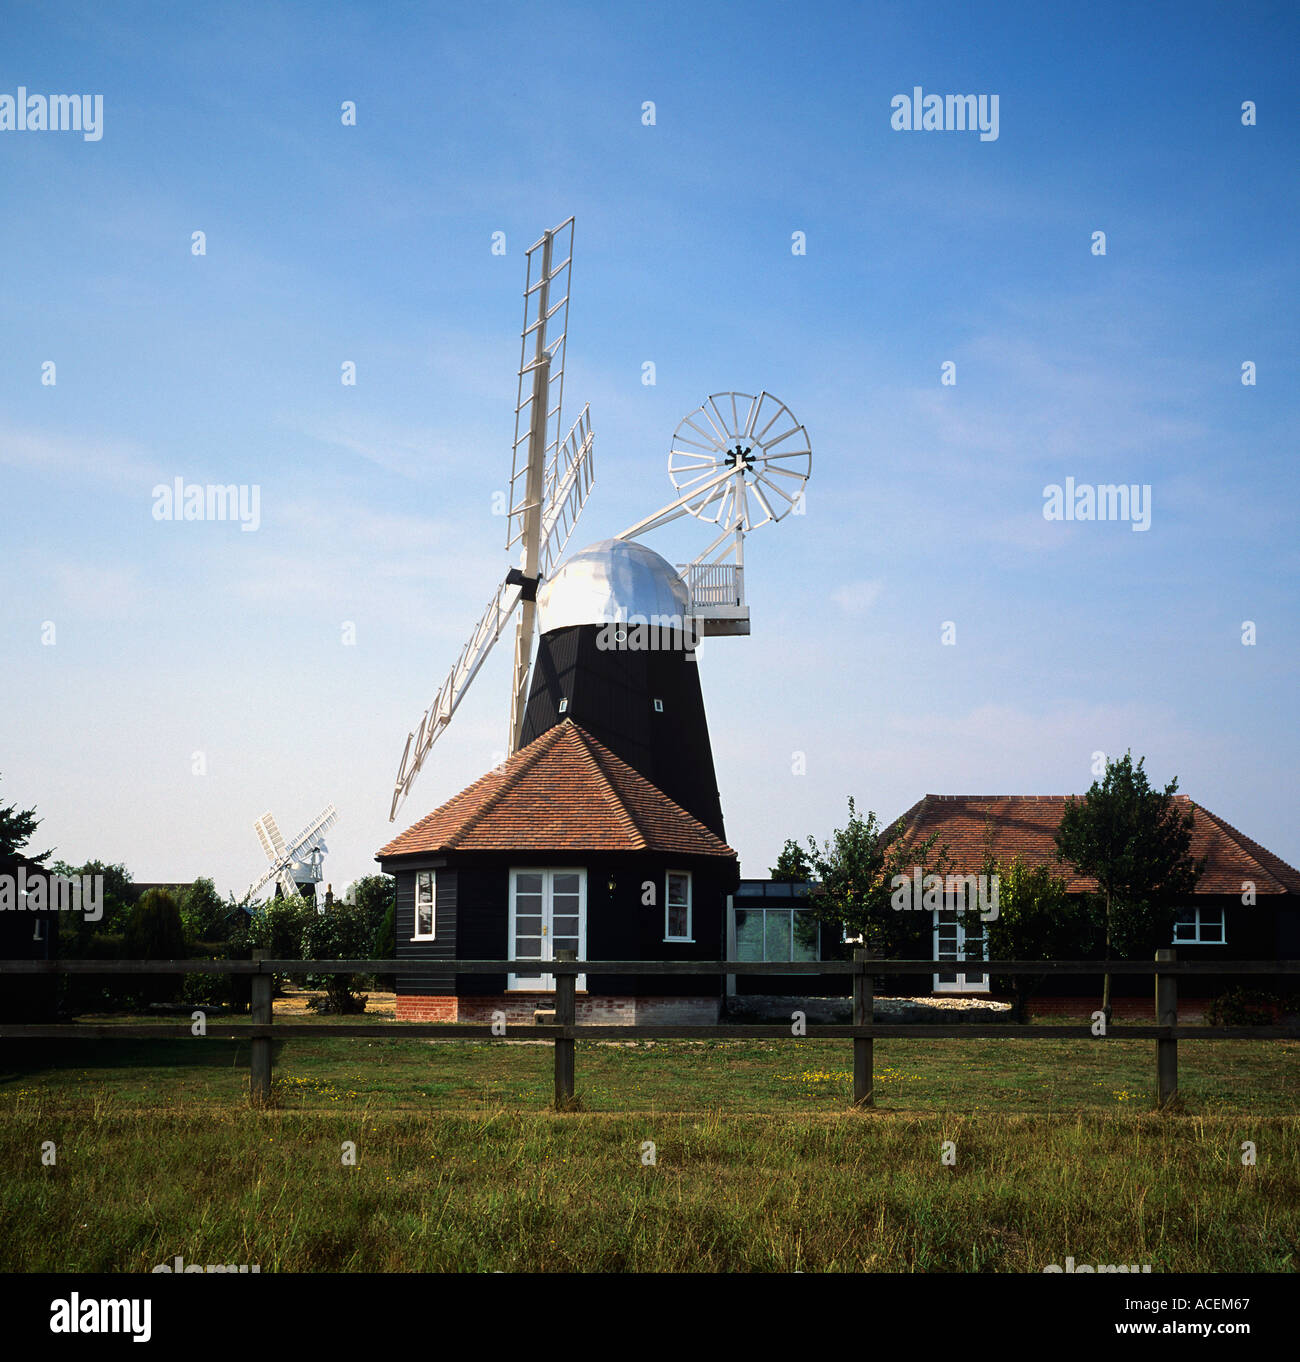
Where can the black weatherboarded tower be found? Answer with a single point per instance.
(616, 655)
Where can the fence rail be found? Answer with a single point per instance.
(566, 1031)
(438, 965)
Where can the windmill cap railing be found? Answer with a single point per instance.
(713, 583)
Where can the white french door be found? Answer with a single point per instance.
(548, 913)
(954, 946)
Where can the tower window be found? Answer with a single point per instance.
(659, 706)
(564, 705)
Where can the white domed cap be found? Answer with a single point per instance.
(610, 583)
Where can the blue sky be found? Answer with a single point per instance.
(372, 243)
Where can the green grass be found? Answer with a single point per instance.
(794, 1076)
(759, 1164)
(511, 1191)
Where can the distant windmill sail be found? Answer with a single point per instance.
(550, 479)
(283, 856)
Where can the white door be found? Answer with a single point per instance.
(954, 945)
(548, 913)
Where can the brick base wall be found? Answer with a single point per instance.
(595, 1010)
(426, 1008)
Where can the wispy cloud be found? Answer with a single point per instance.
(108, 460)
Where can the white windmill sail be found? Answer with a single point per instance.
(282, 856)
(269, 834)
(550, 478)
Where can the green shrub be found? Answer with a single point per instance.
(277, 928)
(385, 947)
(1245, 1007)
(342, 932)
(98, 992)
(154, 931)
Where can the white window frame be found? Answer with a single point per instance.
(962, 983)
(1220, 916)
(542, 982)
(690, 906)
(431, 935)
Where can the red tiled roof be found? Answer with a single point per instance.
(1026, 825)
(563, 792)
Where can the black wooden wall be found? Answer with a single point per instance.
(611, 693)
(473, 914)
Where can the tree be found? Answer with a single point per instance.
(341, 932)
(16, 829)
(275, 927)
(22, 998)
(792, 865)
(204, 911)
(374, 895)
(154, 932)
(1036, 920)
(856, 871)
(385, 946)
(1136, 844)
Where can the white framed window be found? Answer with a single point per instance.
(1200, 927)
(955, 944)
(426, 899)
(677, 906)
(548, 913)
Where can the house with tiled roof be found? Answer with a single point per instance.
(1246, 905)
(563, 846)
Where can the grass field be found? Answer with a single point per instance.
(757, 1162)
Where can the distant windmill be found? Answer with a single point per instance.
(737, 462)
(296, 863)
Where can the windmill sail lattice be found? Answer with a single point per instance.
(284, 855)
(550, 479)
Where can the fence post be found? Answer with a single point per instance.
(259, 1065)
(1166, 1015)
(863, 1015)
(566, 986)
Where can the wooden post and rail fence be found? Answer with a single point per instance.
(260, 1029)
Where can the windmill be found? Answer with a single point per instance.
(737, 462)
(295, 863)
(549, 482)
